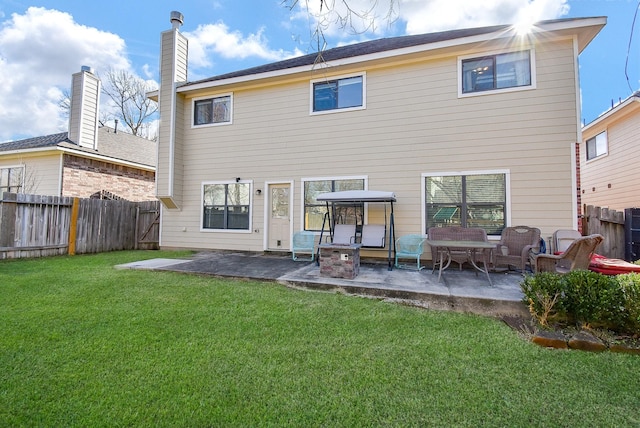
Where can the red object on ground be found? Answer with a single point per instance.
(606, 266)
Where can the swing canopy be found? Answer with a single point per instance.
(357, 196)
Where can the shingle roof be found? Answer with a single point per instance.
(365, 48)
(119, 146)
(34, 143)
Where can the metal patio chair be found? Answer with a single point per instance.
(409, 247)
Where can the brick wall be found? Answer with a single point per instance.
(83, 177)
(579, 187)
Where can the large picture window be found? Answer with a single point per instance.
(226, 206)
(597, 146)
(212, 111)
(11, 179)
(492, 72)
(314, 211)
(477, 200)
(338, 94)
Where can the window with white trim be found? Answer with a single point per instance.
(495, 72)
(226, 205)
(212, 111)
(11, 179)
(338, 94)
(314, 210)
(597, 146)
(473, 200)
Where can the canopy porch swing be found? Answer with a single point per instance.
(369, 236)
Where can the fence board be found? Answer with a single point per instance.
(609, 224)
(37, 226)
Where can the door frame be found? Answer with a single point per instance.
(267, 211)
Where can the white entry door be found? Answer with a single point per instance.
(279, 217)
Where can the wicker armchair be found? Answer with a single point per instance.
(577, 256)
(515, 246)
(457, 233)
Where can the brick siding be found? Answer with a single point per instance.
(83, 177)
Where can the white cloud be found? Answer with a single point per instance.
(39, 51)
(218, 40)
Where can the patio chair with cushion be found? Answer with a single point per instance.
(576, 257)
(517, 243)
(562, 238)
(303, 242)
(344, 234)
(373, 235)
(409, 247)
(457, 233)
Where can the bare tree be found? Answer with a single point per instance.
(355, 16)
(128, 93)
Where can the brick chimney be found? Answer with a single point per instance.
(83, 117)
(173, 71)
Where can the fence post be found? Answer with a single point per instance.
(73, 227)
(8, 209)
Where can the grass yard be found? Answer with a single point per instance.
(84, 344)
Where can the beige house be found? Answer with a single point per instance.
(609, 155)
(88, 161)
(476, 127)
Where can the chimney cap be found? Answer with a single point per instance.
(177, 19)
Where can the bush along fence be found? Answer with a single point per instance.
(38, 226)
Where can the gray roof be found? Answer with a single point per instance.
(120, 146)
(365, 48)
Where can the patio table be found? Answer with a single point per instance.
(440, 247)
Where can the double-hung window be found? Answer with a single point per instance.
(597, 146)
(472, 200)
(496, 72)
(226, 206)
(11, 179)
(338, 94)
(212, 111)
(314, 210)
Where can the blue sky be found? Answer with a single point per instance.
(43, 42)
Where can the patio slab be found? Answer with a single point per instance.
(462, 291)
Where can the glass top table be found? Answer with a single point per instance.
(443, 248)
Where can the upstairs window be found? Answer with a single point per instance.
(597, 146)
(338, 94)
(494, 72)
(212, 111)
(11, 180)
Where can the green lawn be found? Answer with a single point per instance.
(84, 344)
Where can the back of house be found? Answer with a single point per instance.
(476, 127)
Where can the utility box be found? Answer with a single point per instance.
(631, 234)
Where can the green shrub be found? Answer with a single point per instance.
(544, 294)
(630, 287)
(594, 299)
(585, 297)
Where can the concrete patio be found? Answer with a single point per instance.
(463, 291)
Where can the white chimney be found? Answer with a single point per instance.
(173, 71)
(83, 117)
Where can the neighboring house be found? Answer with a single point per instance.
(88, 161)
(609, 155)
(475, 127)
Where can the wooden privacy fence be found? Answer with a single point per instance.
(608, 223)
(37, 226)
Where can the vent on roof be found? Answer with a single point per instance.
(177, 19)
